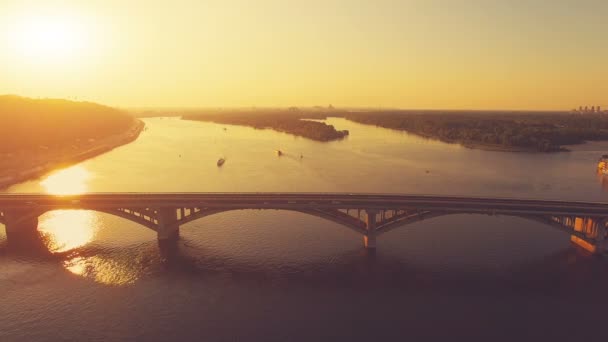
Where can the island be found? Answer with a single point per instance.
(292, 121)
(40, 135)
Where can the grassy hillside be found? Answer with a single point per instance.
(33, 124)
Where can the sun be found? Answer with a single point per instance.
(49, 38)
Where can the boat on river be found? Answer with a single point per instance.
(221, 162)
(279, 153)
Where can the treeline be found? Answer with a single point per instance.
(512, 131)
(288, 121)
(30, 123)
(532, 131)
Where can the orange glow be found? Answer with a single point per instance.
(409, 54)
(70, 181)
(103, 271)
(48, 36)
(582, 243)
(56, 38)
(68, 229)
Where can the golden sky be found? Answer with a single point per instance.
(476, 54)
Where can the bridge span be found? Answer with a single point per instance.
(369, 215)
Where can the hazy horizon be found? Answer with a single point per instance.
(143, 109)
(473, 55)
(337, 108)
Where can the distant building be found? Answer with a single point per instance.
(589, 110)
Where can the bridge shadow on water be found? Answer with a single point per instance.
(568, 272)
(28, 245)
(189, 284)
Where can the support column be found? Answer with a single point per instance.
(586, 226)
(369, 239)
(600, 244)
(20, 222)
(168, 226)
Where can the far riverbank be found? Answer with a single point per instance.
(487, 146)
(26, 164)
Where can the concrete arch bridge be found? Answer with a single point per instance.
(370, 215)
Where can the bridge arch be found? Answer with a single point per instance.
(143, 218)
(586, 229)
(150, 217)
(335, 216)
(128, 215)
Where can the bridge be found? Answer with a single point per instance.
(370, 215)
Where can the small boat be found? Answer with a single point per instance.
(221, 162)
(279, 153)
(602, 164)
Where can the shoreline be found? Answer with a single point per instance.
(478, 146)
(55, 159)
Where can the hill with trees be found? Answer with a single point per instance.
(31, 123)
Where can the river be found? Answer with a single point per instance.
(272, 275)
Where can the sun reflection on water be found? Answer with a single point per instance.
(103, 270)
(70, 181)
(68, 229)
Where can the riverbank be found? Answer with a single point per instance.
(494, 131)
(29, 164)
(485, 146)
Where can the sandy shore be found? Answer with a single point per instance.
(24, 165)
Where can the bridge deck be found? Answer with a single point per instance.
(305, 200)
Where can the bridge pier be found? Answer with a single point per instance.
(369, 239)
(601, 238)
(20, 222)
(168, 226)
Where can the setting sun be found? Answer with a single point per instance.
(48, 36)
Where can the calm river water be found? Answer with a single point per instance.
(282, 276)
